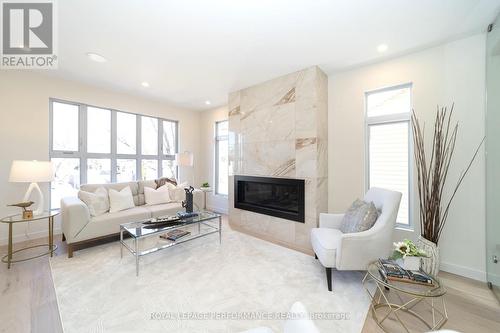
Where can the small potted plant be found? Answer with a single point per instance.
(205, 186)
(408, 255)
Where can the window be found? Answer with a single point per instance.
(388, 146)
(221, 157)
(97, 145)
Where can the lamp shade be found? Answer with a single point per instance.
(184, 159)
(31, 171)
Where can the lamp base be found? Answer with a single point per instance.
(39, 207)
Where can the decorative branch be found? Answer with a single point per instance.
(432, 176)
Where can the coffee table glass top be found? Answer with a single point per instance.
(139, 229)
(409, 288)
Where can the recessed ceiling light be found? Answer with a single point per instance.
(208, 102)
(145, 84)
(96, 57)
(382, 48)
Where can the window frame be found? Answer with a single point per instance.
(113, 156)
(404, 117)
(218, 139)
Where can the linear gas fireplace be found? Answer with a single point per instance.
(280, 197)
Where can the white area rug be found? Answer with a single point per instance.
(99, 292)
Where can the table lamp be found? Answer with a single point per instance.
(185, 159)
(32, 172)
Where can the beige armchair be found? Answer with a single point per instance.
(353, 251)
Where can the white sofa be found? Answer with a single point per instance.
(80, 228)
(353, 251)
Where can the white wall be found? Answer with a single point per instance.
(206, 166)
(454, 72)
(24, 128)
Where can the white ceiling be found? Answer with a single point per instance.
(192, 51)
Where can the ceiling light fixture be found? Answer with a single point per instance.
(208, 102)
(382, 48)
(96, 57)
(145, 84)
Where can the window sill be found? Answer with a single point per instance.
(408, 228)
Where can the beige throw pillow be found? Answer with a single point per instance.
(177, 193)
(97, 202)
(156, 197)
(122, 200)
(359, 217)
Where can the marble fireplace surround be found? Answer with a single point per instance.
(279, 129)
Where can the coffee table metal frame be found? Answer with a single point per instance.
(433, 297)
(202, 219)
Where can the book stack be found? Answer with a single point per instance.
(390, 270)
(175, 234)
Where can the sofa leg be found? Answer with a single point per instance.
(63, 238)
(70, 251)
(329, 278)
(315, 256)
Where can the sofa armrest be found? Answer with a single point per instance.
(75, 216)
(332, 221)
(198, 199)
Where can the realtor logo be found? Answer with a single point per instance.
(28, 35)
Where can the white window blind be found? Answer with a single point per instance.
(388, 126)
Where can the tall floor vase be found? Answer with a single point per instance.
(430, 265)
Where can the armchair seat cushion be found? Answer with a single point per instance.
(325, 243)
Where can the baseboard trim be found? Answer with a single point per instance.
(467, 272)
(30, 236)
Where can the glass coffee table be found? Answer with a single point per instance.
(391, 299)
(204, 224)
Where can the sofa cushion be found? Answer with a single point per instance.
(141, 185)
(109, 223)
(177, 193)
(325, 242)
(156, 197)
(134, 187)
(120, 200)
(97, 202)
(167, 209)
(361, 216)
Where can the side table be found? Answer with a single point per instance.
(18, 218)
(205, 191)
(407, 295)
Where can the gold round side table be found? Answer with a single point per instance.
(407, 295)
(18, 218)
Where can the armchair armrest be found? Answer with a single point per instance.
(75, 216)
(332, 221)
(357, 250)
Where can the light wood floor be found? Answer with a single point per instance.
(28, 302)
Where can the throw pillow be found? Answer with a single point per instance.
(359, 217)
(156, 197)
(120, 200)
(164, 180)
(97, 202)
(177, 193)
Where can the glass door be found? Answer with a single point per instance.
(493, 157)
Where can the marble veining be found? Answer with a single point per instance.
(288, 98)
(279, 129)
(301, 143)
